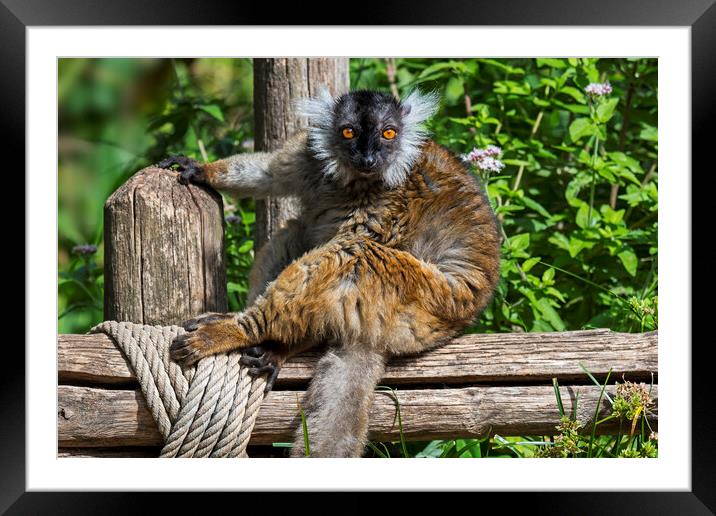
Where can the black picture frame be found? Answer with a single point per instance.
(699, 15)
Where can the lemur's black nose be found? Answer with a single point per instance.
(368, 162)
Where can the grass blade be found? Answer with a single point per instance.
(595, 380)
(574, 409)
(377, 451)
(467, 447)
(559, 397)
(304, 426)
(596, 411)
(394, 396)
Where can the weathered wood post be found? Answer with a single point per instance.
(278, 83)
(164, 250)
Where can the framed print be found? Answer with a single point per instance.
(564, 115)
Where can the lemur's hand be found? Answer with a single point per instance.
(207, 334)
(190, 170)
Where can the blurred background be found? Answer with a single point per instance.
(574, 186)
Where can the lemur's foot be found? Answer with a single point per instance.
(206, 335)
(263, 359)
(190, 170)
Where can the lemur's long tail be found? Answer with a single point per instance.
(338, 402)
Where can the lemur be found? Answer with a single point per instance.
(395, 250)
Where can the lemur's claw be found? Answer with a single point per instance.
(190, 170)
(193, 324)
(260, 361)
(186, 349)
(252, 362)
(255, 351)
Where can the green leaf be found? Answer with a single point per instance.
(529, 263)
(441, 66)
(629, 260)
(548, 61)
(519, 242)
(246, 246)
(610, 215)
(541, 326)
(573, 92)
(516, 162)
(548, 276)
(626, 161)
(555, 293)
(629, 176)
(531, 203)
(605, 110)
(576, 245)
(559, 240)
(580, 109)
(582, 218)
(213, 110)
(235, 287)
(606, 173)
(550, 314)
(580, 128)
(649, 133)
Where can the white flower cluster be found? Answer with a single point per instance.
(486, 159)
(598, 89)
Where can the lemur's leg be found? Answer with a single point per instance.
(337, 403)
(354, 292)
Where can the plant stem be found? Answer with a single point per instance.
(390, 71)
(651, 173)
(535, 127)
(468, 99)
(622, 134)
(519, 269)
(199, 142)
(596, 413)
(594, 180)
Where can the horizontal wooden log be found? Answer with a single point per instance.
(153, 451)
(478, 358)
(92, 417)
(109, 453)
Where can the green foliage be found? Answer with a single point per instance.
(630, 406)
(578, 196)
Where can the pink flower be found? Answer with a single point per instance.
(598, 89)
(485, 159)
(493, 150)
(490, 165)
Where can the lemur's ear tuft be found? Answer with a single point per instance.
(418, 107)
(318, 110)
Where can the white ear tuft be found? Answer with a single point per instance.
(318, 110)
(418, 106)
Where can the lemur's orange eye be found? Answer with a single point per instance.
(389, 134)
(347, 133)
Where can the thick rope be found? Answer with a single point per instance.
(207, 410)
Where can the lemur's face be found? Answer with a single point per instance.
(367, 135)
(367, 131)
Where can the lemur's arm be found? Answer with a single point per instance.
(258, 174)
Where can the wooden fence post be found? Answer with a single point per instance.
(278, 83)
(164, 250)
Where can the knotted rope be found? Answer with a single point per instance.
(207, 410)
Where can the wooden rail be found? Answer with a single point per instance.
(477, 384)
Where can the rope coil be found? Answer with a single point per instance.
(207, 410)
